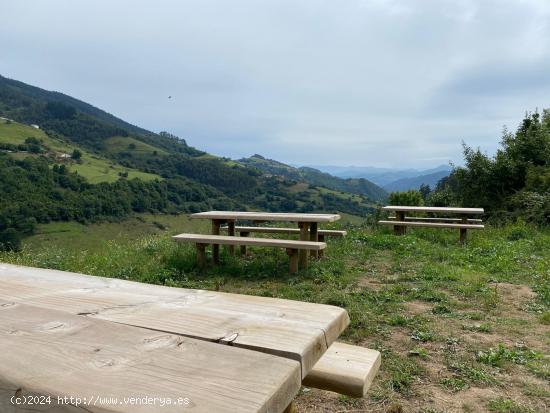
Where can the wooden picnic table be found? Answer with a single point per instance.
(465, 223)
(307, 223)
(68, 334)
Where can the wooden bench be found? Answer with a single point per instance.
(462, 227)
(292, 247)
(321, 233)
(345, 369)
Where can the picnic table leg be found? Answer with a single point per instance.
(243, 247)
(321, 238)
(399, 229)
(293, 256)
(231, 233)
(463, 231)
(215, 247)
(304, 236)
(201, 255)
(313, 236)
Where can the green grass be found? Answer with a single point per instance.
(118, 144)
(97, 170)
(437, 311)
(92, 167)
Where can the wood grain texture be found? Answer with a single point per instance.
(250, 241)
(266, 216)
(431, 224)
(49, 352)
(345, 369)
(292, 329)
(280, 230)
(447, 210)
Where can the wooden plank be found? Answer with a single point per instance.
(266, 216)
(215, 247)
(313, 236)
(448, 210)
(345, 369)
(440, 219)
(304, 237)
(231, 233)
(292, 329)
(259, 242)
(282, 230)
(49, 352)
(431, 224)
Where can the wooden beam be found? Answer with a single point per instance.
(431, 224)
(313, 236)
(251, 241)
(231, 233)
(293, 257)
(49, 352)
(321, 253)
(304, 236)
(290, 329)
(447, 210)
(215, 247)
(266, 216)
(243, 247)
(345, 369)
(201, 255)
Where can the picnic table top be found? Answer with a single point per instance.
(114, 368)
(266, 216)
(448, 210)
(290, 329)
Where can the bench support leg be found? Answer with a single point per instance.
(463, 231)
(293, 255)
(304, 236)
(215, 247)
(201, 255)
(231, 233)
(243, 247)
(313, 236)
(321, 252)
(399, 229)
(291, 408)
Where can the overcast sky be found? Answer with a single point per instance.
(347, 82)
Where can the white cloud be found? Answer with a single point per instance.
(385, 82)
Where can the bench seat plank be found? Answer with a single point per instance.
(292, 329)
(50, 352)
(280, 230)
(345, 369)
(432, 224)
(260, 242)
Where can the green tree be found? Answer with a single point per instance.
(408, 198)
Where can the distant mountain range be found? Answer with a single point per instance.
(391, 180)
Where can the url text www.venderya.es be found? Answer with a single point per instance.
(96, 400)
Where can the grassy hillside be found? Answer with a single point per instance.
(315, 177)
(91, 166)
(460, 328)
